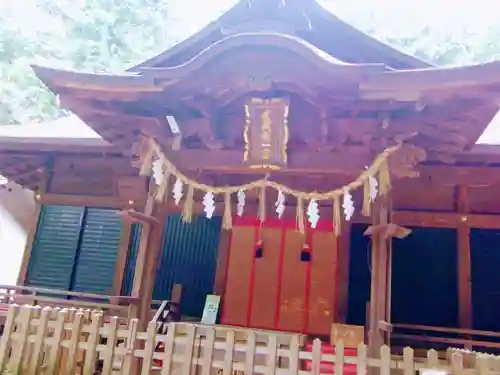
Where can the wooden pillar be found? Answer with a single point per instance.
(381, 232)
(378, 292)
(342, 279)
(31, 235)
(121, 259)
(30, 241)
(464, 261)
(147, 257)
(222, 258)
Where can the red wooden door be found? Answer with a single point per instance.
(280, 290)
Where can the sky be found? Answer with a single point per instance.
(399, 17)
(393, 17)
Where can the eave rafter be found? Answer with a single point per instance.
(24, 169)
(441, 109)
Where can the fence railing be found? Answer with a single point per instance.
(442, 337)
(35, 296)
(53, 341)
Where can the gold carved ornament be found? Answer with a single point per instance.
(150, 151)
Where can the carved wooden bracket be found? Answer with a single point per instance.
(387, 231)
(404, 162)
(138, 217)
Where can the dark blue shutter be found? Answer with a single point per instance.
(425, 263)
(96, 257)
(128, 277)
(54, 249)
(485, 262)
(189, 257)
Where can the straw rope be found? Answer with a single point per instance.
(379, 165)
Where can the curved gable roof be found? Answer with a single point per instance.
(305, 19)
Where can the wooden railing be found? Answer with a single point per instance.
(55, 341)
(34, 296)
(25, 295)
(444, 337)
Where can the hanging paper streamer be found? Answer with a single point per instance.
(241, 203)
(280, 204)
(365, 210)
(336, 216)
(157, 171)
(161, 191)
(177, 191)
(227, 220)
(300, 216)
(313, 213)
(153, 160)
(146, 154)
(348, 205)
(373, 183)
(209, 204)
(147, 163)
(262, 204)
(384, 178)
(187, 212)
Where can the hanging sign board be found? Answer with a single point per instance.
(266, 133)
(211, 309)
(350, 335)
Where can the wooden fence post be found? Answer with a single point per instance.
(38, 346)
(385, 360)
(91, 356)
(54, 357)
(72, 353)
(6, 341)
(169, 349)
(362, 360)
(24, 322)
(109, 353)
(130, 346)
(149, 348)
(250, 353)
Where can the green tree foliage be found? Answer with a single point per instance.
(91, 35)
(112, 35)
(430, 30)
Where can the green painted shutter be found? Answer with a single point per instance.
(128, 277)
(54, 249)
(96, 257)
(188, 257)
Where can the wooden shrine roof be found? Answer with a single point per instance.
(343, 100)
(305, 19)
(27, 150)
(367, 106)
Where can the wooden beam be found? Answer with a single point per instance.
(460, 175)
(132, 216)
(445, 219)
(405, 218)
(464, 262)
(30, 241)
(88, 200)
(298, 161)
(121, 259)
(137, 285)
